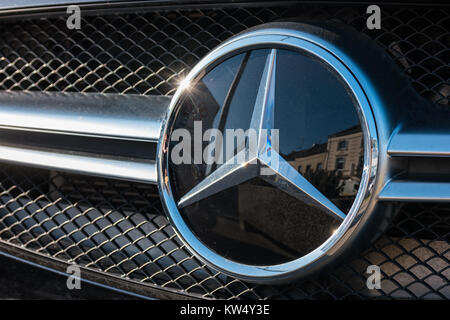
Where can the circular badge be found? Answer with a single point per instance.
(267, 155)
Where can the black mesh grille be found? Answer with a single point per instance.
(119, 228)
(146, 53)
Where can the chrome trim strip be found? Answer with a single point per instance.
(129, 117)
(126, 169)
(415, 191)
(40, 3)
(420, 144)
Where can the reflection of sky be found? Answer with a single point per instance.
(219, 79)
(243, 101)
(310, 102)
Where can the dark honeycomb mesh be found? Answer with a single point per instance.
(146, 53)
(119, 228)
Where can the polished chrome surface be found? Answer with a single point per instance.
(141, 171)
(417, 191)
(108, 118)
(274, 37)
(129, 117)
(424, 150)
(23, 4)
(282, 175)
(423, 143)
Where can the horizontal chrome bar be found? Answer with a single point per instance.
(125, 169)
(108, 135)
(14, 4)
(128, 117)
(420, 144)
(415, 191)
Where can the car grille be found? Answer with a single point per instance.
(119, 228)
(146, 53)
(107, 225)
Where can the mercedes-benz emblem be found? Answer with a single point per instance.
(282, 201)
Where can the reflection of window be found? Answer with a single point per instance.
(319, 166)
(360, 165)
(299, 169)
(340, 162)
(342, 145)
(308, 168)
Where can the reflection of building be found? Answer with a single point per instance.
(345, 151)
(309, 159)
(343, 154)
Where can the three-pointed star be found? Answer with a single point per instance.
(277, 170)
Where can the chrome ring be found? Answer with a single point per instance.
(334, 58)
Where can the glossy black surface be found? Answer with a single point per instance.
(255, 223)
